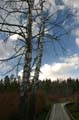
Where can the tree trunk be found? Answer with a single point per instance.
(24, 106)
(39, 58)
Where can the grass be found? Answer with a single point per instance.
(44, 114)
(9, 106)
(73, 109)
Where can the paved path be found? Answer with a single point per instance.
(58, 113)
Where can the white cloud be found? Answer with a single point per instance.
(77, 41)
(66, 3)
(7, 49)
(4, 67)
(20, 73)
(14, 37)
(55, 69)
(77, 36)
(72, 3)
(58, 70)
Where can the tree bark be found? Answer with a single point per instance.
(27, 68)
(39, 58)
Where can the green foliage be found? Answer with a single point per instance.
(9, 83)
(56, 88)
(1, 85)
(42, 105)
(73, 110)
(60, 88)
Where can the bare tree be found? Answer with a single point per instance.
(25, 51)
(38, 57)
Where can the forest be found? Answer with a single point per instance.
(67, 87)
(47, 93)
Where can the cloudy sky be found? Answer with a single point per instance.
(59, 60)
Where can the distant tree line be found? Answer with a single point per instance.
(58, 87)
(9, 83)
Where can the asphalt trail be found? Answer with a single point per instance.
(58, 113)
